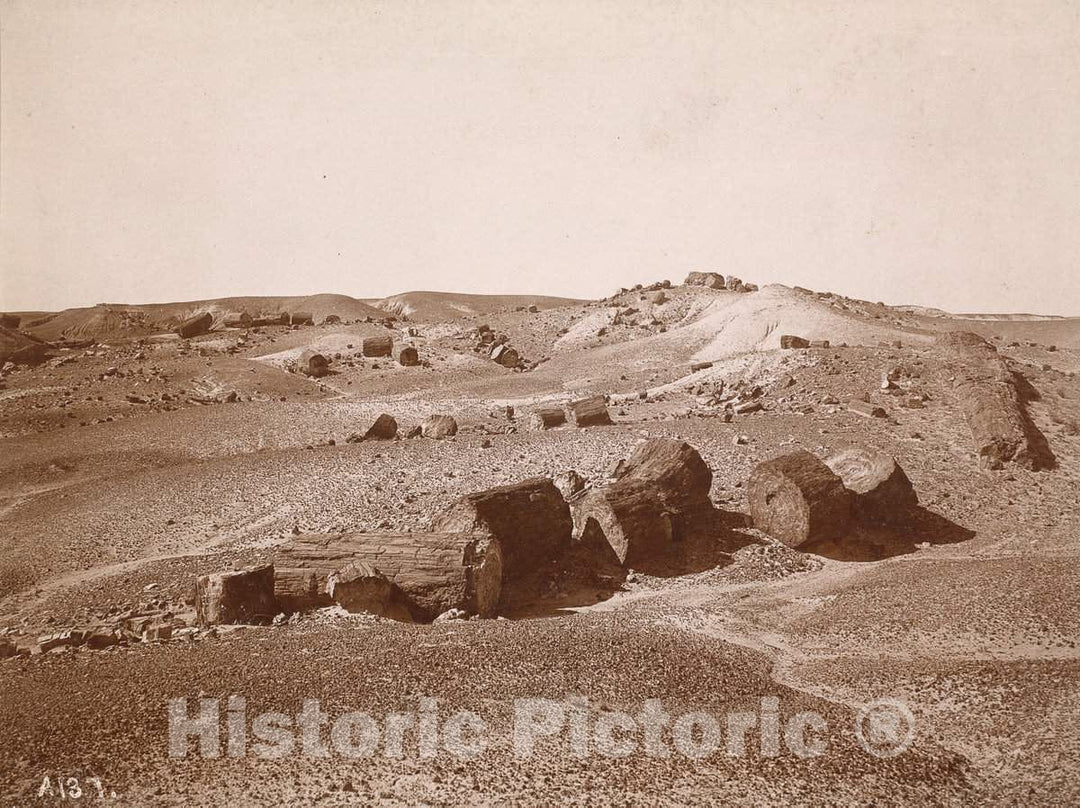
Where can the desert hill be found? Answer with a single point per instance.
(445, 306)
(112, 321)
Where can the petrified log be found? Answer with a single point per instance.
(33, 354)
(797, 499)
(302, 318)
(313, 364)
(866, 409)
(673, 465)
(297, 589)
(331, 319)
(360, 587)
(505, 356)
(245, 596)
(590, 411)
(628, 515)
(661, 495)
(382, 428)
(238, 319)
(991, 403)
(880, 488)
(547, 418)
(433, 571)
(408, 356)
(438, 426)
(789, 341)
(378, 346)
(193, 326)
(530, 519)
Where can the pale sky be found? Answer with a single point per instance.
(911, 152)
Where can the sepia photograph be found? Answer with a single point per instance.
(502, 403)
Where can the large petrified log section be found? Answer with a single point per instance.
(991, 403)
(378, 346)
(547, 418)
(244, 596)
(675, 466)
(193, 326)
(590, 411)
(530, 519)
(661, 496)
(797, 499)
(433, 571)
(881, 491)
(313, 363)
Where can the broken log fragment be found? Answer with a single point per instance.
(660, 496)
(244, 596)
(989, 394)
(673, 465)
(433, 571)
(382, 428)
(866, 409)
(797, 499)
(194, 326)
(313, 364)
(547, 418)
(530, 519)
(301, 318)
(438, 426)
(626, 515)
(378, 346)
(408, 356)
(881, 491)
(590, 411)
(360, 587)
(505, 356)
(297, 589)
(789, 341)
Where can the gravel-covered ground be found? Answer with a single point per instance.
(967, 613)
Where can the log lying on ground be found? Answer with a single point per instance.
(797, 499)
(382, 428)
(244, 596)
(238, 319)
(360, 587)
(866, 409)
(433, 571)
(193, 326)
(297, 589)
(408, 356)
(530, 519)
(675, 466)
(302, 318)
(378, 346)
(590, 411)
(438, 426)
(628, 516)
(313, 364)
(661, 495)
(790, 341)
(547, 418)
(505, 356)
(880, 489)
(991, 403)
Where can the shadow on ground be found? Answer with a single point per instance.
(868, 541)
